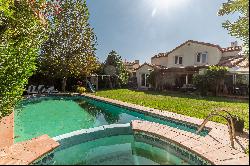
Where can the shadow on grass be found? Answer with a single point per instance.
(187, 96)
(194, 96)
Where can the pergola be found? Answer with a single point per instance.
(94, 79)
(187, 71)
(238, 71)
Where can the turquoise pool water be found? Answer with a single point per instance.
(59, 115)
(116, 150)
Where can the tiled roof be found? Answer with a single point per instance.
(129, 63)
(239, 60)
(230, 49)
(160, 55)
(151, 65)
(197, 42)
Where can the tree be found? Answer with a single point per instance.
(114, 59)
(212, 78)
(239, 28)
(154, 78)
(22, 31)
(70, 49)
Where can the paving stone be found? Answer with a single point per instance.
(191, 143)
(181, 138)
(28, 151)
(171, 134)
(203, 148)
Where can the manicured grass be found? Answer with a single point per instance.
(190, 105)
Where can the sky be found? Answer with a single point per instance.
(139, 29)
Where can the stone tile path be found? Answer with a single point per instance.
(7, 130)
(25, 153)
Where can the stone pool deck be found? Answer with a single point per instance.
(26, 152)
(7, 130)
(215, 147)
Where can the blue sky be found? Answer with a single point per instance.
(139, 29)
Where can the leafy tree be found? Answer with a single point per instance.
(154, 78)
(114, 59)
(240, 27)
(22, 31)
(200, 81)
(212, 78)
(70, 49)
(215, 75)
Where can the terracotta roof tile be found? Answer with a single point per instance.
(160, 55)
(239, 60)
(151, 65)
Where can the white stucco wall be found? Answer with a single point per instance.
(189, 52)
(142, 70)
(163, 61)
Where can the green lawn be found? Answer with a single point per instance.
(191, 105)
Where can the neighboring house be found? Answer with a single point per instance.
(187, 59)
(131, 67)
(160, 59)
(142, 74)
(238, 68)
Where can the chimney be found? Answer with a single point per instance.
(137, 61)
(234, 44)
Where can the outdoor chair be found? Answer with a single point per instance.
(51, 90)
(32, 90)
(41, 89)
(29, 89)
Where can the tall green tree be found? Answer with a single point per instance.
(70, 49)
(240, 27)
(211, 79)
(22, 31)
(114, 59)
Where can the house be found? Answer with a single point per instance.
(181, 63)
(131, 66)
(237, 80)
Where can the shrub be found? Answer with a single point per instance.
(80, 89)
(211, 79)
(200, 81)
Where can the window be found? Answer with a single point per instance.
(201, 57)
(178, 60)
(145, 80)
(204, 58)
(198, 58)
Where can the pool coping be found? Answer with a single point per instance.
(215, 147)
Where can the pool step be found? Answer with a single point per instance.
(26, 152)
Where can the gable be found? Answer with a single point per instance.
(145, 66)
(195, 42)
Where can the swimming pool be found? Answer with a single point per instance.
(59, 115)
(117, 145)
